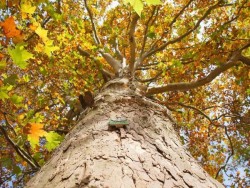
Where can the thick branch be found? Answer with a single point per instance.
(132, 42)
(96, 38)
(183, 86)
(117, 51)
(114, 63)
(83, 52)
(244, 60)
(146, 30)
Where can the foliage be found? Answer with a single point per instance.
(193, 55)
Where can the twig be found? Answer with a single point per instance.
(150, 79)
(24, 155)
(194, 108)
(154, 50)
(33, 34)
(228, 158)
(7, 122)
(179, 13)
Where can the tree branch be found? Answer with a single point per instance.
(114, 63)
(106, 74)
(146, 30)
(117, 51)
(132, 42)
(244, 60)
(96, 38)
(82, 52)
(184, 86)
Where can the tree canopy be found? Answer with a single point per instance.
(193, 56)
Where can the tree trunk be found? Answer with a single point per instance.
(144, 153)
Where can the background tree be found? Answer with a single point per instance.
(191, 55)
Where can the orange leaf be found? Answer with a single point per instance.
(9, 28)
(1, 56)
(34, 129)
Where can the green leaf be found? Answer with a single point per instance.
(11, 79)
(53, 140)
(26, 78)
(17, 170)
(177, 63)
(6, 162)
(151, 35)
(3, 95)
(16, 99)
(248, 91)
(153, 2)
(20, 56)
(2, 64)
(136, 4)
(4, 92)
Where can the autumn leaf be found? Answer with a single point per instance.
(20, 56)
(34, 132)
(9, 28)
(1, 56)
(42, 33)
(26, 7)
(49, 47)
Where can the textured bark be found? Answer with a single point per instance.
(145, 153)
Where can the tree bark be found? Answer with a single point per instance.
(144, 153)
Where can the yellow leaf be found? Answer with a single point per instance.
(42, 33)
(28, 8)
(49, 47)
(21, 117)
(39, 47)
